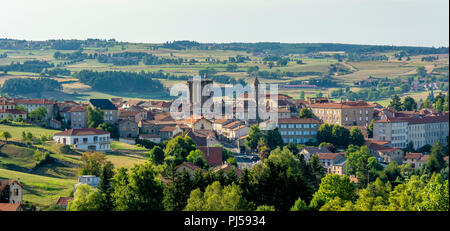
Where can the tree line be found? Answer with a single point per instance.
(120, 81)
(17, 86)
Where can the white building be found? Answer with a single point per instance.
(90, 180)
(85, 139)
(420, 130)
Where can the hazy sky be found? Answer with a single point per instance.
(386, 22)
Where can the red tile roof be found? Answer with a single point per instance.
(328, 156)
(12, 111)
(33, 101)
(64, 200)
(78, 109)
(213, 155)
(424, 158)
(348, 104)
(81, 131)
(412, 155)
(189, 165)
(168, 129)
(9, 207)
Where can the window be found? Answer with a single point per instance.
(298, 126)
(291, 126)
(298, 132)
(283, 125)
(85, 140)
(298, 140)
(291, 140)
(306, 125)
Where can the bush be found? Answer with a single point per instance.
(66, 149)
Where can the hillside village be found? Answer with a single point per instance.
(226, 145)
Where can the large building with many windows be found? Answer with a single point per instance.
(418, 129)
(298, 130)
(349, 113)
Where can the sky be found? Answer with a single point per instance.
(375, 22)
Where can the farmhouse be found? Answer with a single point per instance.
(84, 139)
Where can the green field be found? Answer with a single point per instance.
(16, 131)
(40, 190)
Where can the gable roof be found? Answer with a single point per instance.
(188, 165)
(64, 200)
(315, 150)
(9, 207)
(103, 104)
(213, 155)
(81, 131)
(328, 156)
(198, 139)
(412, 155)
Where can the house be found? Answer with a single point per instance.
(64, 201)
(15, 190)
(77, 116)
(213, 155)
(111, 113)
(329, 160)
(169, 132)
(307, 152)
(423, 161)
(33, 104)
(246, 161)
(90, 180)
(347, 113)
(10, 207)
(151, 137)
(8, 110)
(55, 124)
(227, 168)
(412, 159)
(189, 167)
(385, 153)
(84, 139)
(234, 130)
(339, 167)
(298, 130)
(203, 137)
(128, 128)
(198, 123)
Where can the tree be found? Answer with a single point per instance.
(137, 189)
(217, 198)
(176, 193)
(109, 127)
(157, 155)
(302, 95)
(328, 146)
(392, 171)
(436, 160)
(105, 188)
(370, 129)
(274, 139)
(333, 186)
(279, 181)
(396, 103)
(6, 135)
(38, 114)
(299, 205)
(340, 135)
(356, 136)
(85, 198)
(92, 163)
(421, 72)
(375, 197)
(409, 104)
(177, 149)
(94, 117)
(435, 196)
(306, 113)
(324, 133)
(266, 208)
(197, 157)
(254, 135)
(439, 104)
